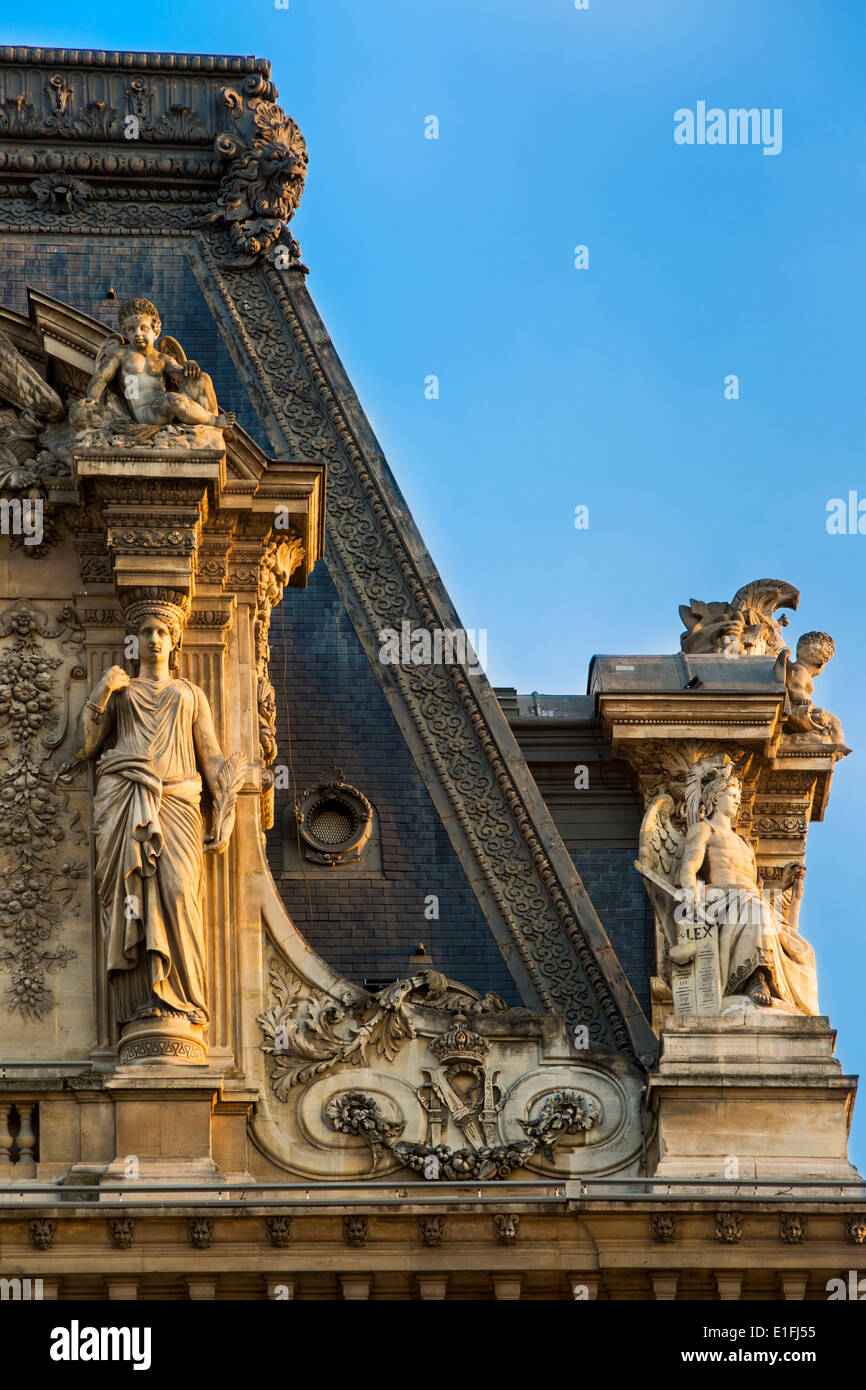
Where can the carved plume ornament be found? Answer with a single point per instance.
(747, 626)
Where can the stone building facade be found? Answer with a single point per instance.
(329, 972)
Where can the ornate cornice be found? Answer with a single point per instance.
(168, 62)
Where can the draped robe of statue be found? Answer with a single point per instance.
(751, 934)
(150, 862)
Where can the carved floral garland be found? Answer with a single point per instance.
(33, 889)
(566, 1112)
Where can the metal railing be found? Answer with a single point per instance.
(379, 1192)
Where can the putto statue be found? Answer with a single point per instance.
(156, 739)
(144, 393)
(160, 386)
(814, 650)
(724, 937)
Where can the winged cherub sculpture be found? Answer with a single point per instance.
(702, 878)
(162, 390)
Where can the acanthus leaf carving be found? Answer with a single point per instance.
(307, 1032)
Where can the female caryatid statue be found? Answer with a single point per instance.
(708, 878)
(156, 740)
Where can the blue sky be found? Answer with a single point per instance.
(602, 387)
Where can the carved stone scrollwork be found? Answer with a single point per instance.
(278, 562)
(307, 1032)
(782, 821)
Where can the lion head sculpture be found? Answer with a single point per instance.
(261, 189)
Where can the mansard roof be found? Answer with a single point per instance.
(149, 222)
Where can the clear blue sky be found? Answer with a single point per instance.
(605, 386)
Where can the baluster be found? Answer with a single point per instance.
(26, 1142)
(5, 1142)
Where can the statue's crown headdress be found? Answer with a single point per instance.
(172, 606)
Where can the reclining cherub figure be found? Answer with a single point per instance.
(158, 383)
